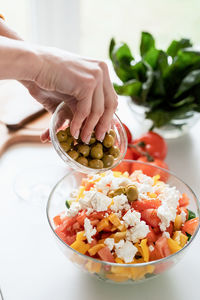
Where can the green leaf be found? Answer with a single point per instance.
(175, 46)
(130, 88)
(191, 214)
(121, 57)
(190, 80)
(158, 88)
(67, 204)
(111, 47)
(182, 102)
(151, 57)
(189, 236)
(163, 116)
(147, 42)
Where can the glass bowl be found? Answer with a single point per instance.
(112, 272)
(116, 125)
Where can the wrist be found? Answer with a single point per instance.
(18, 60)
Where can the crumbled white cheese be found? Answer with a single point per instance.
(138, 232)
(166, 234)
(89, 230)
(73, 210)
(151, 248)
(110, 243)
(167, 210)
(120, 202)
(100, 202)
(132, 218)
(183, 216)
(85, 202)
(125, 250)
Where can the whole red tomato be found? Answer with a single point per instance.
(148, 170)
(128, 133)
(152, 143)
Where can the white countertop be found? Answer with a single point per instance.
(31, 265)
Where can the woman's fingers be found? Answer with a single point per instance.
(97, 110)
(110, 104)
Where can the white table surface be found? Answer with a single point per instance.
(31, 265)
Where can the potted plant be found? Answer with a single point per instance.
(164, 84)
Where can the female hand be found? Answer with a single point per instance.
(83, 84)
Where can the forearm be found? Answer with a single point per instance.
(18, 60)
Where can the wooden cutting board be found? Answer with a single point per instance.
(22, 118)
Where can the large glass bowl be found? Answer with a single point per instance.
(116, 125)
(112, 272)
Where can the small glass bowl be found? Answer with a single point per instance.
(116, 125)
(112, 272)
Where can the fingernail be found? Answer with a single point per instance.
(76, 135)
(87, 139)
(102, 137)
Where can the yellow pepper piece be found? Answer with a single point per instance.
(80, 246)
(92, 251)
(93, 267)
(155, 179)
(119, 260)
(117, 174)
(173, 245)
(125, 174)
(80, 236)
(178, 222)
(152, 195)
(101, 241)
(102, 224)
(180, 238)
(145, 250)
(114, 220)
(118, 236)
(80, 194)
(122, 227)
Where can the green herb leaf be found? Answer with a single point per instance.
(189, 236)
(191, 214)
(147, 42)
(130, 88)
(182, 102)
(148, 83)
(111, 47)
(190, 80)
(175, 46)
(67, 204)
(121, 57)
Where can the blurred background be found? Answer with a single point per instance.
(86, 26)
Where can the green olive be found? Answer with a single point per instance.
(111, 194)
(82, 160)
(62, 136)
(84, 149)
(131, 192)
(108, 160)
(66, 147)
(73, 154)
(68, 131)
(92, 139)
(112, 132)
(119, 191)
(114, 151)
(96, 152)
(99, 145)
(108, 141)
(96, 164)
(70, 140)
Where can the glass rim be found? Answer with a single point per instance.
(161, 260)
(59, 149)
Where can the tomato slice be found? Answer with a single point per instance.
(57, 220)
(145, 204)
(150, 217)
(184, 200)
(128, 133)
(191, 226)
(151, 236)
(81, 217)
(162, 246)
(106, 255)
